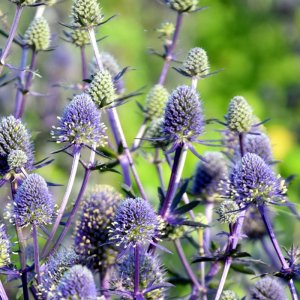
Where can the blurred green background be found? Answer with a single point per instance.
(256, 44)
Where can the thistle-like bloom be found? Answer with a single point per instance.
(80, 123)
(86, 13)
(33, 202)
(228, 212)
(135, 223)
(268, 288)
(79, 37)
(156, 101)
(183, 118)
(111, 65)
(255, 182)
(102, 89)
(14, 137)
(182, 5)
(229, 295)
(151, 273)
(55, 267)
(38, 34)
(4, 247)
(91, 232)
(77, 283)
(196, 63)
(240, 115)
(208, 175)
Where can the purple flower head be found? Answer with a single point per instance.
(255, 182)
(80, 123)
(91, 233)
(4, 247)
(135, 223)
(77, 283)
(268, 288)
(55, 267)
(209, 173)
(14, 139)
(151, 273)
(33, 202)
(183, 118)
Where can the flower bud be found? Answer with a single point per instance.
(155, 101)
(156, 135)
(229, 295)
(4, 247)
(196, 63)
(102, 89)
(240, 115)
(86, 13)
(38, 34)
(17, 159)
(183, 5)
(228, 212)
(79, 37)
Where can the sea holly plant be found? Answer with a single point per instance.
(99, 235)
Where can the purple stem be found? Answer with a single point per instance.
(104, 282)
(177, 168)
(11, 36)
(3, 294)
(28, 81)
(64, 202)
(19, 93)
(84, 69)
(170, 50)
(21, 240)
(36, 253)
(126, 171)
(136, 286)
(277, 249)
(186, 265)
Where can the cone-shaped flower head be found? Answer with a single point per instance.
(209, 173)
(86, 13)
(111, 65)
(255, 181)
(55, 267)
(151, 273)
(259, 145)
(16, 150)
(33, 202)
(240, 115)
(228, 212)
(91, 232)
(102, 89)
(183, 118)
(156, 101)
(268, 288)
(196, 63)
(135, 223)
(77, 283)
(38, 34)
(183, 5)
(155, 134)
(80, 123)
(229, 295)
(4, 247)
(79, 37)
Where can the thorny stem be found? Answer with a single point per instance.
(64, 202)
(186, 265)
(3, 294)
(19, 93)
(170, 50)
(136, 286)
(36, 253)
(21, 241)
(11, 36)
(25, 90)
(76, 206)
(115, 121)
(277, 249)
(234, 235)
(177, 168)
